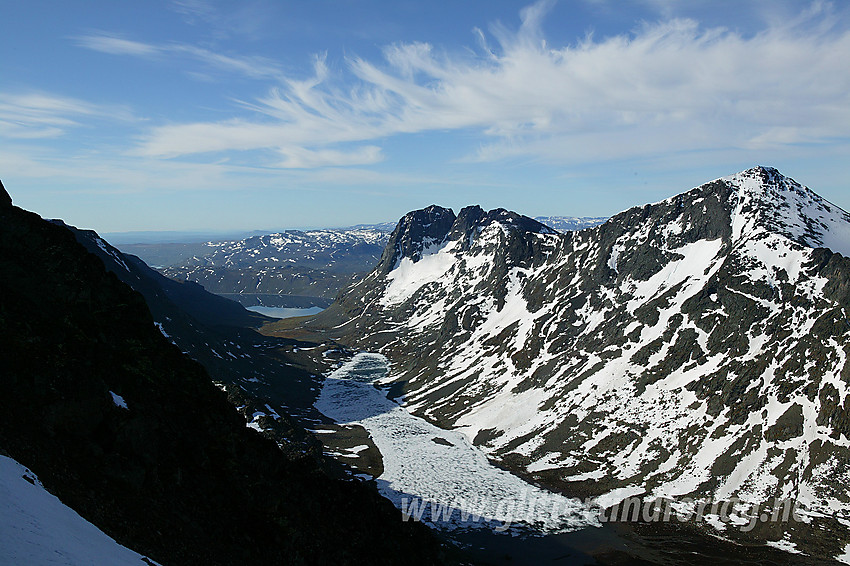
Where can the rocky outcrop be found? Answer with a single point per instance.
(5, 199)
(415, 233)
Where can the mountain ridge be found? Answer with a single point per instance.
(690, 347)
(132, 434)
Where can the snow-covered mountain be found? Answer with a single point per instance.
(303, 268)
(696, 347)
(387, 227)
(325, 249)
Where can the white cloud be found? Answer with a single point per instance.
(196, 10)
(667, 87)
(39, 115)
(249, 66)
(254, 67)
(301, 158)
(117, 45)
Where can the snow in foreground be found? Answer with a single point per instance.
(436, 474)
(38, 529)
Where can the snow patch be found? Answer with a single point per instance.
(118, 400)
(409, 276)
(36, 528)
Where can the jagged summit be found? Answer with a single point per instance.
(415, 232)
(420, 230)
(766, 201)
(753, 203)
(5, 198)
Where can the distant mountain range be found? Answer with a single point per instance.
(189, 237)
(570, 223)
(293, 268)
(696, 347)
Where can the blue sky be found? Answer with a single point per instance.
(205, 115)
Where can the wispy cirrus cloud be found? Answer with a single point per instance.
(115, 45)
(40, 115)
(225, 20)
(301, 158)
(254, 67)
(668, 86)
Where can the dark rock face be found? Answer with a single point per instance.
(414, 233)
(5, 199)
(516, 221)
(165, 297)
(219, 333)
(693, 347)
(176, 475)
(464, 226)
(432, 226)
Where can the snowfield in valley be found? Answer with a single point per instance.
(424, 464)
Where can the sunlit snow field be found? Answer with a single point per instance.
(38, 529)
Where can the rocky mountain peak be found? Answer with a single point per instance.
(695, 347)
(416, 231)
(766, 201)
(5, 198)
(473, 219)
(469, 218)
(511, 219)
(761, 183)
(422, 229)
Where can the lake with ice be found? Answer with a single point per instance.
(285, 312)
(437, 475)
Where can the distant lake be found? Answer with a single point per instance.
(284, 312)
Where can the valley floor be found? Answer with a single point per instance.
(415, 463)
